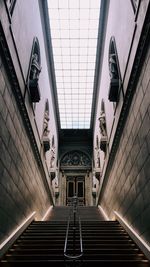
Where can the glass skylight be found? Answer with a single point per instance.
(74, 33)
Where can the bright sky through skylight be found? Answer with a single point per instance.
(74, 32)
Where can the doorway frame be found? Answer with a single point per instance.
(75, 174)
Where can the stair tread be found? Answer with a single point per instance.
(92, 260)
(62, 254)
(85, 246)
(104, 242)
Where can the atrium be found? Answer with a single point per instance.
(75, 110)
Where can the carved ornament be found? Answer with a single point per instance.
(75, 158)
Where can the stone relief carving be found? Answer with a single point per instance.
(75, 158)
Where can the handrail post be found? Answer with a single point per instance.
(75, 202)
(74, 257)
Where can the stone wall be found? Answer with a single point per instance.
(128, 186)
(25, 184)
(22, 188)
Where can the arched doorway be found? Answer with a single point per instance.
(75, 166)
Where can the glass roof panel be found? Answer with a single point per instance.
(74, 31)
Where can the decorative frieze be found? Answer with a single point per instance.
(76, 158)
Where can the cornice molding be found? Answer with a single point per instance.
(50, 61)
(99, 58)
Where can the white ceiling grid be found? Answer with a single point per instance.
(74, 32)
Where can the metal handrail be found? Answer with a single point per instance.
(73, 257)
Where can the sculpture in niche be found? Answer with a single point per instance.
(56, 177)
(34, 71)
(10, 4)
(114, 72)
(102, 123)
(97, 154)
(94, 185)
(98, 160)
(54, 181)
(97, 141)
(102, 127)
(52, 157)
(46, 131)
(135, 4)
(75, 158)
(46, 120)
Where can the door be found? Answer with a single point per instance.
(75, 185)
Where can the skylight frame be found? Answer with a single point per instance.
(75, 61)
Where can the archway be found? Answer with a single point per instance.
(75, 166)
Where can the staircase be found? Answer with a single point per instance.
(105, 243)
